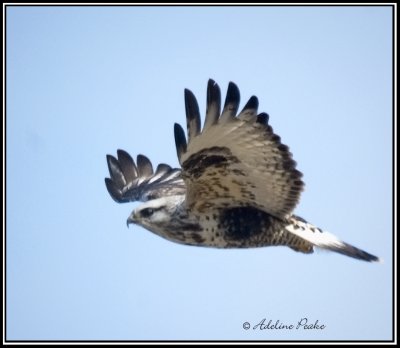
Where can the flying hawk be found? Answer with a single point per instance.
(237, 186)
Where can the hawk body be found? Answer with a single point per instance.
(237, 187)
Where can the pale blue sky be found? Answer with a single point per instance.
(85, 81)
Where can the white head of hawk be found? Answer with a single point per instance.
(237, 187)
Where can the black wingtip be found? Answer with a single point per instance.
(144, 166)
(192, 114)
(122, 154)
(213, 94)
(110, 160)
(232, 95)
(113, 190)
(249, 111)
(127, 165)
(163, 168)
(232, 101)
(116, 173)
(180, 140)
(263, 118)
(213, 104)
(252, 104)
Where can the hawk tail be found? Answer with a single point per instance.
(326, 240)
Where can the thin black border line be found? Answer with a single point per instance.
(388, 4)
(394, 109)
(394, 256)
(199, 341)
(5, 176)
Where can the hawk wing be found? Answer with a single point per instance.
(235, 160)
(130, 182)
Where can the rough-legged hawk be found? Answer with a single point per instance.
(237, 187)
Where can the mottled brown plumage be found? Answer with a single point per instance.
(237, 187)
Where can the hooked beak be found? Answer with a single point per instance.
(131, 219)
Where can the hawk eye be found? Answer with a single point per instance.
(147, 212)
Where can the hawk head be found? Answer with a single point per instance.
(165, 217)
(154, 212)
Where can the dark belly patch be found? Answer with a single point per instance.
(242, 223)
